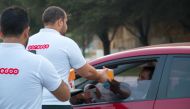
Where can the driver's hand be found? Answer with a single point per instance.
(87, 95)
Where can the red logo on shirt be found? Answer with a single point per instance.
(36, 47)
(14, 71)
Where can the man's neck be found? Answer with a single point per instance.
(12, 40)
(51, 27)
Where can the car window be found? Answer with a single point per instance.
(79, 81)
(128, 75)
(179, 78)
(138, 76)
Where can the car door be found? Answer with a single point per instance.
(148, 101)
(174, 90)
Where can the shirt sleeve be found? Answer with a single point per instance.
(50, 79)
(75, 55)
(125, 86)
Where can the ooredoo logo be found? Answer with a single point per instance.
(36, 47)
(13, 71)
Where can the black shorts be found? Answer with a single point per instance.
(57, 107)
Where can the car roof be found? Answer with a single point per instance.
(162, 49)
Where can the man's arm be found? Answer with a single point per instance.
(62, 93)
(122, 91)
(89, 72)
(52, 81)
(78, 62)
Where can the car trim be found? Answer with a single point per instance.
(146, 51)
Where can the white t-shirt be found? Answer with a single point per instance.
(139, 91)
(22, 76)
(62, 51)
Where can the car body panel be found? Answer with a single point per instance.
(180, 103)
(183, 103)
(144, 51)
(123, 105)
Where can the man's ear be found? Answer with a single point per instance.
(60, 22)
(26, 32)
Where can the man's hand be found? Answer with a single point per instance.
(87, 95)
(102, 75)
(115, 88)
(90, 73)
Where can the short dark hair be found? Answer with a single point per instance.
(52, 14)
(13, 21)
(149, 68)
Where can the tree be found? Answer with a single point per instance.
(96, 18)
(147, 14)
(99, 17)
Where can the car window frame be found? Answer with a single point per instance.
(152, 93)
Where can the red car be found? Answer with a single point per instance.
(170, 83)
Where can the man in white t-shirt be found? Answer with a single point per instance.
(62, 51)
(23, 74)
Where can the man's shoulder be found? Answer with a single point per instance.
(34, 36)
(66, 42)
(66, 39)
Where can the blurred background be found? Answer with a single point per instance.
(102, 27)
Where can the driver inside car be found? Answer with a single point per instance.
(143, 83)
(100, 93)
